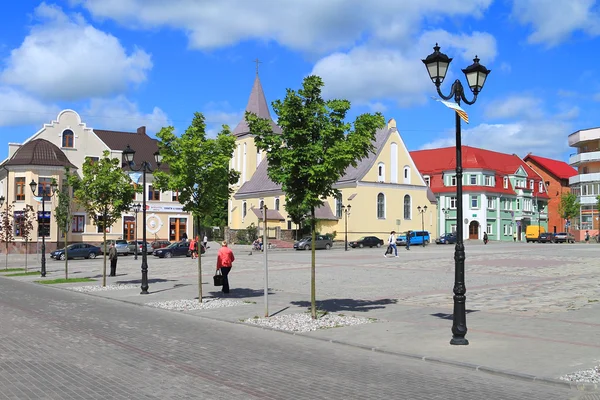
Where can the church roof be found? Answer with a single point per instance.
(39, 152)
(257, 104)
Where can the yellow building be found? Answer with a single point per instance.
(384, 190)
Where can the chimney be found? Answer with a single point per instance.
(141, 130)
(391, 123)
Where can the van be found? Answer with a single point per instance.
(416, 238)
(532, 233)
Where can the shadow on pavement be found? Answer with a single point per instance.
(333, 305)
(155, 280)
(449, 316)
(238, 293)
(174, 287)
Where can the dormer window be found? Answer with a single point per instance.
(427, 180)
(68, 138)
(506, 182)
(541, 187)
(453, 180)
(531, 184)
(473, 179)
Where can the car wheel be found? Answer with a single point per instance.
(168, 254)
(327, 246)
(378, 245)
(92, 255)
(306, 247)
(62, 257)
(361, 245)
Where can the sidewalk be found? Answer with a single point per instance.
(543, 341)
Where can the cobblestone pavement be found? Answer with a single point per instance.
(66, 345)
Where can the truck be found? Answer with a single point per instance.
(532, 233)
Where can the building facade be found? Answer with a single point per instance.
(502, 195)
(556, 176)
(383, 190)
(77, 142)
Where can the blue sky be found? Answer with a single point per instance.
(125, 63)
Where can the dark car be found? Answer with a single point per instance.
(159, 244)
(366, 241)
(77, 250)
(563, 237)
(447, 238)
(322, 242)
(175, 250)
(546, 237)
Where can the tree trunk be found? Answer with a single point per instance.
(199, 247)
(26, 252)
(67, 254)
(313, 296)
(104, 250)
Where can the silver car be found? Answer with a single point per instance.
(121, 245)
(322, 242)
(140, 247)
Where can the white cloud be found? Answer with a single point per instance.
(218, 114)
(121, 114)
(554, 21)
(312, 25)
(19, 108)
(515, 106)
(65, 58)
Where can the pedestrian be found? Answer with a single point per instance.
(391, 244)
(184, 237)
(485, 238)
(205, 241)
(112, 256)
(587, 237)
(408, 234)
(192, 248)
(225, 261)
(515, 237)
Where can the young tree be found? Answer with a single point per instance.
(198, 169)
(105, 192)
(63, 213)
(26, 228)
(314, 150)
(6, 234)
(568, 207)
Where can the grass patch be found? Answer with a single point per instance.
(24, 273)
(592, 301)
(12, 270)
(249, 302)
(63, 280)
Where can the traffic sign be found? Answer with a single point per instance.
(518, 223)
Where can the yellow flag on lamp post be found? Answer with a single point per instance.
(461, 113)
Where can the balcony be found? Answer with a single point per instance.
(585, 135)
(581, 158)
(594, 177)
(587, 200)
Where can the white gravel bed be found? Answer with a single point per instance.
(591, 375)
(98, 288)
(188, 305)
(304, 323)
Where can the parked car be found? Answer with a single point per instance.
(563, 237)
(176, 249)
(546, 237)
(121, 245)
(159, 244)
(416, 238)
(446, 238)
(322, 242)
(140, 247)
(76, 250)
(366, 241)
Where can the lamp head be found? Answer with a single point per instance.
(128, 154)
(437, 65)
(33, 185)
(158, 158)
(476, 75)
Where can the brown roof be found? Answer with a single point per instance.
(257, 104)
(39, 152)
(272, 215)
(144, 145)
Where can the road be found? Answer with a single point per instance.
(58, 344)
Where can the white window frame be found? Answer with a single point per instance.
(489, 181)
(476, 198)
(380, 172)
(473, 179)
(489, 229)
(85, 220)
(275, 206)
(453, 228)
(505, 230)
(510, 229)
(518, 205)
(452, 203)
(491, 201)
(427, 180)
(531, 184)
(541, 187)
(406, 174)
(453, 180)
(377, 206)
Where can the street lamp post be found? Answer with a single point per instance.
(129, 153)
(346, 213)
(43, 192)
(422, 212)
(437, 65)
(136, 209)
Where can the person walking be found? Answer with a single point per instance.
(587, 237)
(515, 237)
(391, 244)
(113, 256)
(205, 241)
(408, 239)
(184, 237)
(225, 261)
(192, 248)
(485, 238)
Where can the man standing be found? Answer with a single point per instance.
(225, 261)
(112, 256)
(408, 234)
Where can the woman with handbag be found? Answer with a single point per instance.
(225, 261)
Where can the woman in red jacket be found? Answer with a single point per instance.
(225, 260)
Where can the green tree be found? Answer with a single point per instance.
(63, 213)
(314, 150)
(6, 233)
(105, 192)
(568, 207)
(26, 228)
(199, 170)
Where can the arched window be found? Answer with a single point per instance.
(381, 206)
(380, 172)
(407, 207)
(406, 175)
(277, 203)
(67, 138)
(244, 209)
(338, 206)
(394, 163)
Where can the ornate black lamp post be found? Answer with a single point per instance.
(136, 209)
(346, 213)
(129, 153)
(43, 192)
(422, 212)
(437, 65)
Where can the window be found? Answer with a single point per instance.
(427, 180)
(505, 230)
(474, 202)
(67, 138)
(510, 229)
(453, 180)
(261, 203)
(518, 207)
(407, 207)
(277, 203)
(381, 206)
(175, 195)
(338, 206)
(44, 188)
(406, 174)
(258, 157)
(244, 209)
(78, 224)
(453, 228)
(506, 182)
(489, 181)
(453, 202)
(531, 184)
(473, 179)
(380, 172)
(20, 189)
(153, 194)
(92, 160)
(394, 163)
(541, 187)
(489, 229)
(491, 202)
(19, 221)
(100, 224)
(44, 223)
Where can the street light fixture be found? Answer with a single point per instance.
(422, 212)
(437, 65)
(346, 214)
(129, 154)
(136, 209)
(446, 211)
(43, 192)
